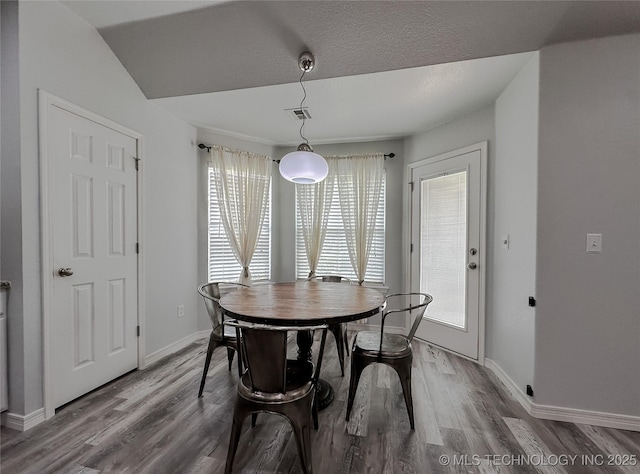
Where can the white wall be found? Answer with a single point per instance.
(511, 325)
(62, 54)
(10, 186)
(587, 318)
(472, 128)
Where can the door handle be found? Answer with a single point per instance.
(65, 272)
(472, 266)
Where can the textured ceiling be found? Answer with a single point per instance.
(376, 106)
(237, 45)
(102, 13)
(385, 69)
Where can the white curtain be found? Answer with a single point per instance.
(359, 180)
(314, 205)
(243, 183)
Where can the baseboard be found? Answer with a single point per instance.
(23, 422)
(513, 388)
(176, 346)
(575, 415)
(571, 415)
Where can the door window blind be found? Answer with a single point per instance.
(443, 246)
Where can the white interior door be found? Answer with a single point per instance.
(447, 227)
(92, 221)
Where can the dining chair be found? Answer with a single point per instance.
(338, 330)
(272, 383)
(220, 335)
(394, 350)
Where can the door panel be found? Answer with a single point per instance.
(446, 234)
(93, 222)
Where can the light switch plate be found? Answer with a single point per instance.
(594, 243)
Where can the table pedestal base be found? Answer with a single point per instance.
(325, 394)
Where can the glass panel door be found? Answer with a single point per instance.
(447, 258)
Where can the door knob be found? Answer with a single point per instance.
(472, 266)
(65, 272)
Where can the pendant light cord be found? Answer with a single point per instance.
(304, 115)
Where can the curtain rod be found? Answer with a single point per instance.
(202, 146)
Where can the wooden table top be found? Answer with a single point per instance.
(304, 303)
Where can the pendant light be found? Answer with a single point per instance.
(303, 166)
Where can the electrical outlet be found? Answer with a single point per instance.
(180, 311)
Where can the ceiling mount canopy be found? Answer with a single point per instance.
(303, 166)
(306, 62)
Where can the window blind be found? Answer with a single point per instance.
(223, 265)
(443, 245)
(334, 259)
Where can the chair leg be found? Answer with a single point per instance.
(230, 354)
(212, 345)
(239, 366)
(314, 409)
(346, 340)
(357, 366)
(340, 342)
(300, 422)
(234, 439)
(403, 368)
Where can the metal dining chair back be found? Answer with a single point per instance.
(394, 350)
(338, 330)
(274, 384)
(265, 360)
(211, 293)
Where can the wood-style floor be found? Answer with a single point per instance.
(151, 421)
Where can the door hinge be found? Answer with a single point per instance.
(411, 184)
(532, 301)
(137, 162)
(138, 331)
(137, 247)
(411, 248)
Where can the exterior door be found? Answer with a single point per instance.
(447, 235)
(92, 222)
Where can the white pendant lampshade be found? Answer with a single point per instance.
(303, 166)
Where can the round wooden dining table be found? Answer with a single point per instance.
(300, 304)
